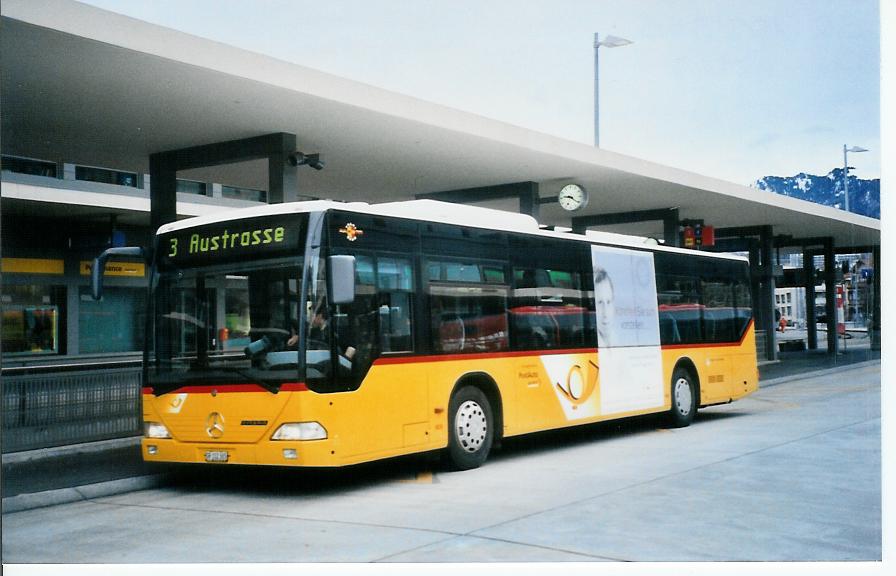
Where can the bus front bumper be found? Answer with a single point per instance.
(268, 453)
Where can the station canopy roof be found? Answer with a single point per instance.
(96, 88)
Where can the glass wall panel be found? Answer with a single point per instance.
(244, 194)
(106, 176)
(33, 316)
(29, 166)
(117, 323)
(192, 187)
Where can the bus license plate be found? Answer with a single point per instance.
(216, 456)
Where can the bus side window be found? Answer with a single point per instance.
(669, 333)
(395, 282)
(679, 309)
(356, 322)
(548, 309)
(380, 319)
(743, 301)
(718, 311)
(468, 304)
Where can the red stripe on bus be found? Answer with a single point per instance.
(712, 344)
(231, 388)
(537, 353)
(478, 356)
(388, 361)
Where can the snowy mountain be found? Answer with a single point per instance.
(864, 195)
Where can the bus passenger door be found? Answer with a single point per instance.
(389, 398)
(716, 384)
(550, 316)
(719, 332)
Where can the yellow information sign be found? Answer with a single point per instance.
(130, 269)
(32, 266)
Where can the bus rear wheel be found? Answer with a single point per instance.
(684, 398)
(470, 428)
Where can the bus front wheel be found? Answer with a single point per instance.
(684, 398)
(471, 428)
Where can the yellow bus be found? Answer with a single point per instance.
(327, 334)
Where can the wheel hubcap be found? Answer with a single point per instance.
(471, 426)
(683, 397)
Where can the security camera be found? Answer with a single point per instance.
(315, 162)
(299, 159)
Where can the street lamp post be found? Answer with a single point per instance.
(846, 173)
(607, 42)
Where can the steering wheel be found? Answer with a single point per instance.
(316, 344)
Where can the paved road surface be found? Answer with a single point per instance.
(791, 473)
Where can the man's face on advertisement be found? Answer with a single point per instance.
(604, 307)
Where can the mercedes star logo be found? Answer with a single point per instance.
(214, 425)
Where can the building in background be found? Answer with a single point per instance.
(48, 248)
(85, 106)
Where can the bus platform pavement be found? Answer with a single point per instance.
(51, 476)
(799, 361)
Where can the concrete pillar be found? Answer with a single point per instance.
(162, 191)
(72, 316)
(282, 177)
(670, 229)
(830, 292)
(530, 201)
(809, 283)
(875, 306)
(767, 293)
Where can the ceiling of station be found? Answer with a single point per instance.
(89, 87)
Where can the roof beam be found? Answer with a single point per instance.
(527, 192)
(163, 168)
(669, 217)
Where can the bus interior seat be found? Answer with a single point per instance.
(669, 333)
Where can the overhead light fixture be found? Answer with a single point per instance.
(846, 168)
(607, 42)
(299, 159)
(611, 41)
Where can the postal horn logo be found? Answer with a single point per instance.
(214, 425)
(578, 387)
(351, 232)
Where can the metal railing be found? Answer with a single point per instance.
(63, 405)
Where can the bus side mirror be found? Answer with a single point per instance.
(99, 266)
(342, 279)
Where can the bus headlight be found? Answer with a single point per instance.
(155, 430)
(300, 431)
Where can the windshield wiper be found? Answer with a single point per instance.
(181, 380)
(270, 385)
(159, 389)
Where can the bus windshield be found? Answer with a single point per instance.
(226, 324)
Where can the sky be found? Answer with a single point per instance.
(732, 89)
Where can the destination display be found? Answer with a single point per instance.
(233, 241)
